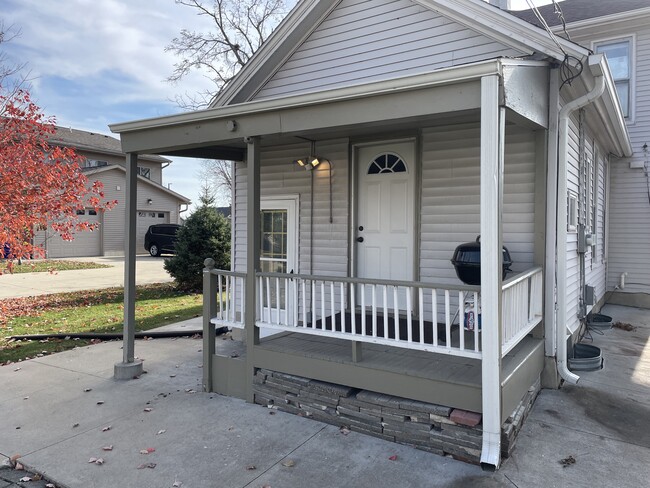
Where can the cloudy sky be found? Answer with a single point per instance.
(97, 62)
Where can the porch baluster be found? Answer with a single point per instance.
(353, 311)
(461, 320)
(268, 299)
(374, 310)
(434, 315)
(342, 290)
(476, 323)
(409, 319)
(313, 304)
(261, 304)
(303, 286)
(220, 295)
(447, 321)
(385, 308)
(396, 313)
(421, 313)
(322, 305)
(278, 299)
(333, 306)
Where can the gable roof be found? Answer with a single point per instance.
(91, 141)
(305, 18)
(141, 179)
(579, 10)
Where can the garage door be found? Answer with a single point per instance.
(145, 219)
(84, 244)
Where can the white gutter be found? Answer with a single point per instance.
(594, 63)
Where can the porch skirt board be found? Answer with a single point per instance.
(425, 426)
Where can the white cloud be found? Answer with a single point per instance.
(75, 39)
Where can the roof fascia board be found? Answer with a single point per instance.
(407, 83)
(635, 15)
(113, 167)
(152, 158)
(503, 27)
(612, 107)
(278, 47)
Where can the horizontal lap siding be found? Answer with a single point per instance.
(450, 212)
(573, 264)
(279, 177)
(629, 209)
(370, 40)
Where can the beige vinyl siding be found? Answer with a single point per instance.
(279, 177)
(370, 40)
(628, 219)
(572, 264)
(629, 229)
(450, 212)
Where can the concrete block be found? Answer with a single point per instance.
(417, 406)
(331, 389)
(347, 412)
(465, 417)
(128, 371)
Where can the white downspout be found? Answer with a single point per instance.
(594, 63)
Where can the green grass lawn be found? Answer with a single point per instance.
(86, 311)
(48, 266)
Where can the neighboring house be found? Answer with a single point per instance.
(422, 124)
(104, 161)
(621, 30)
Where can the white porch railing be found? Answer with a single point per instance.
(229, 287)
(412, 315)
(402, 314)
(522, 307)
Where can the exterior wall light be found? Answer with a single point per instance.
(149, 201)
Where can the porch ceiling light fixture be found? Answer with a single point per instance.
(309, 163)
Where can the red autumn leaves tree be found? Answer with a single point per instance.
(41, 185)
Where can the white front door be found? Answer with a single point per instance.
(278, 225)
(385, 211)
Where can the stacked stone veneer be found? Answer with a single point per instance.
(435, 428)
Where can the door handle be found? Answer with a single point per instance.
(359, 239)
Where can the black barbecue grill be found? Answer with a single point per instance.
(467, 262)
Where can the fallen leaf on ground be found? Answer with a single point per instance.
(92, 460)
(624, 326)
(148, 450)
(107, 448)
(567, 461)
(15, 457)
(19, 467)
(177, 484)
(100, 402)
(75, 425)
(50, 485)
(148, 409)
(87, 390)
(26, 398)
(25, 478)
(344, 430)
(251, 467)
(289, 463)
(147, 465)
(17, 369)
(161, 431)
(393, 457)
(37, 477)
(172, 376)
(107, 428)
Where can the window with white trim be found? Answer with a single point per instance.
(144, 172)
(619, 57)
(572, 212)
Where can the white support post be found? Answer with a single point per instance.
(492, 153)
(252, 255)
(129, 368)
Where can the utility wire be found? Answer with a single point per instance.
(560, 15)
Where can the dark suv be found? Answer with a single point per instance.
(161, 238)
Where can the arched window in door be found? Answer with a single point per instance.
(387, 163)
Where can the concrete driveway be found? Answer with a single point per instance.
(148, 270)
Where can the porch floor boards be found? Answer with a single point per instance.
(421, 364)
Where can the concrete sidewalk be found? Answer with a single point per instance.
(148, 270)
(61, 410)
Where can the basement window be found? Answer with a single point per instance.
(572, 212)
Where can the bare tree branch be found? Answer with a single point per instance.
(216, 176)
(240, 28)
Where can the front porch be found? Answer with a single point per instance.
(388, 346)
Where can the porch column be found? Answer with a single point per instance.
(252, 255)
(492, 154)
(129, 367)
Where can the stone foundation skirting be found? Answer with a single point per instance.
(434, 428)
